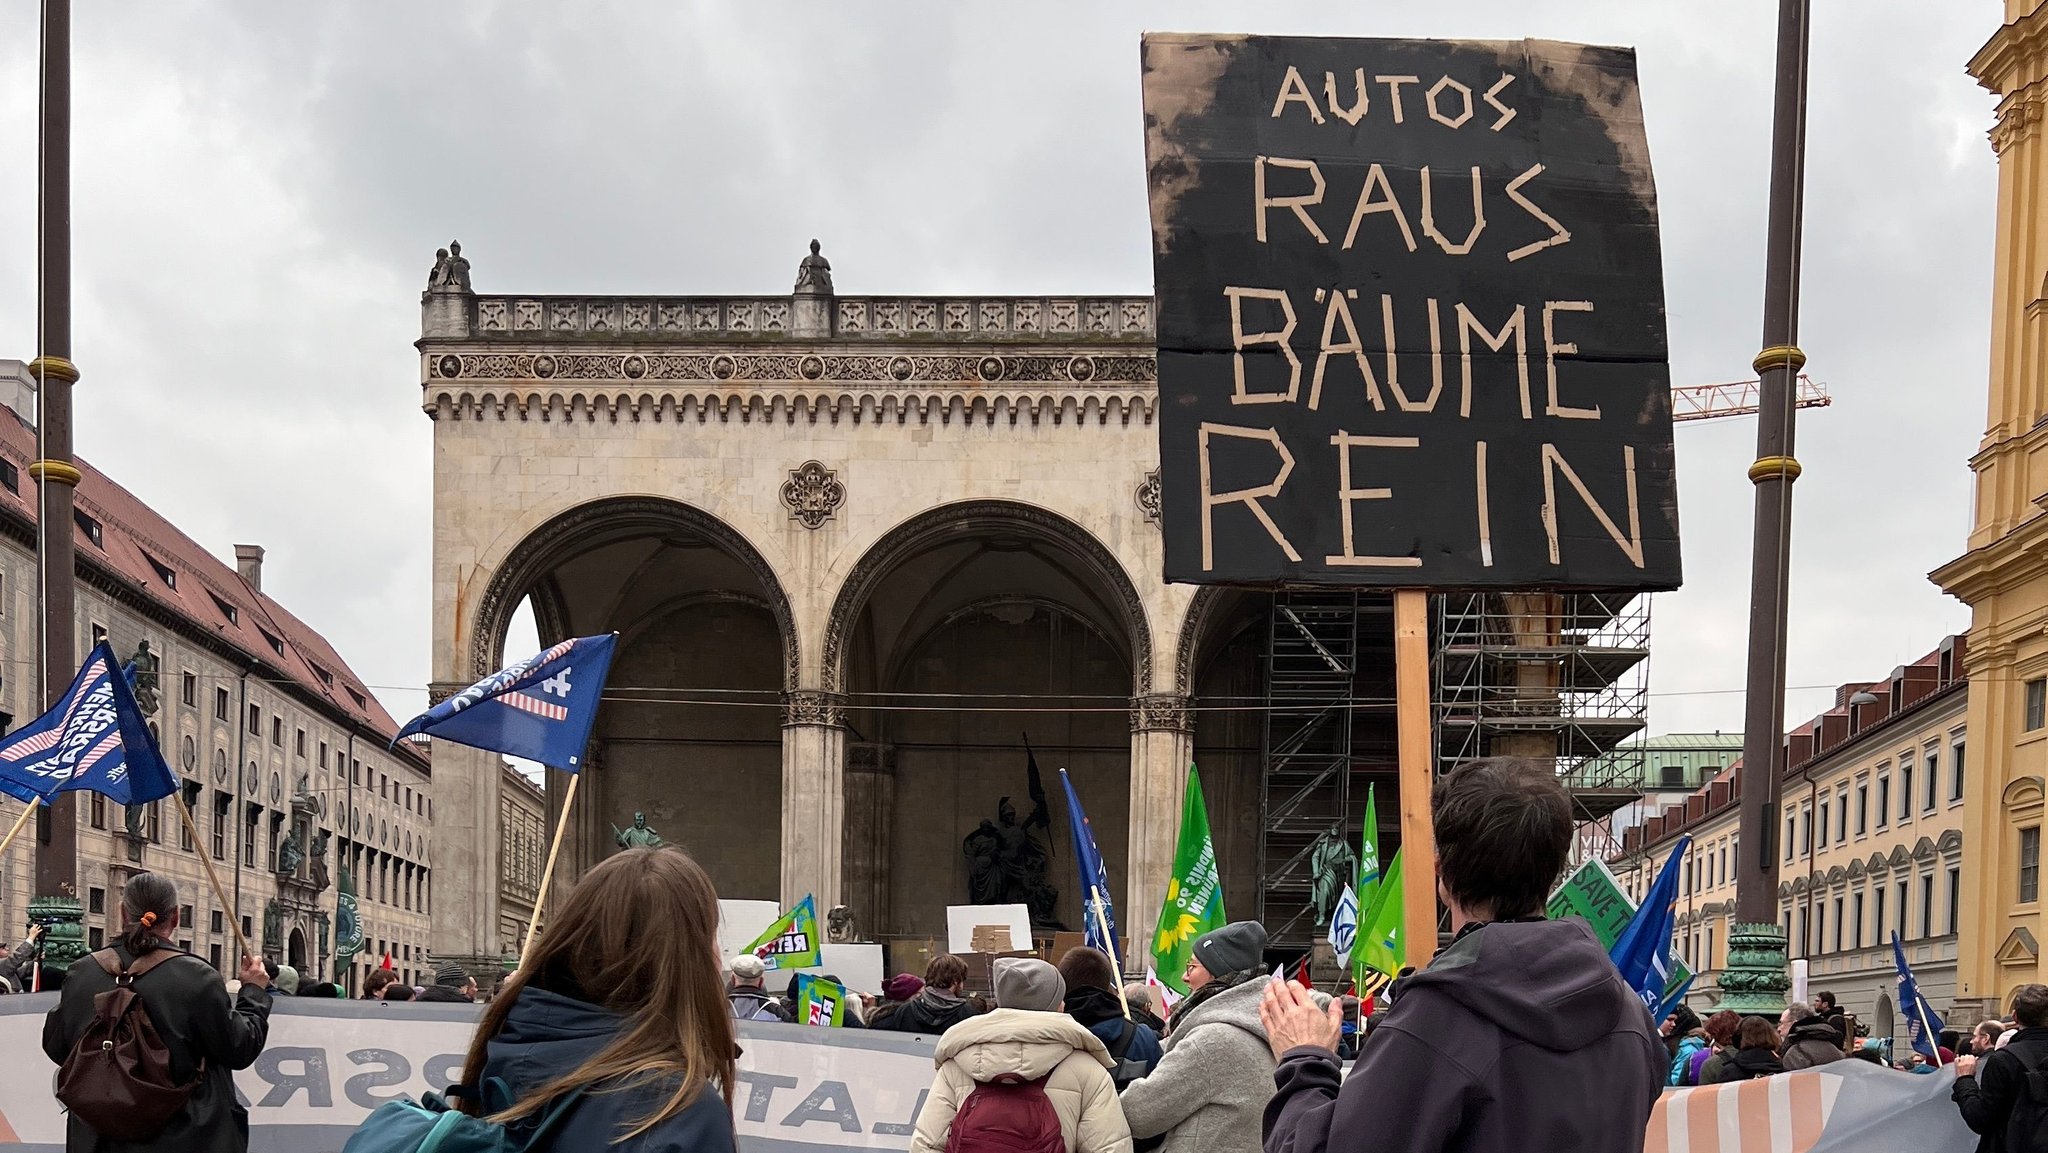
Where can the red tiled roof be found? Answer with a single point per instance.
(135, 541)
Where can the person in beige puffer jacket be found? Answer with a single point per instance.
(1028, 1037)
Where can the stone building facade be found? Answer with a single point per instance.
(2001, 575)
(523, 841)
(280, 748)
(1874, 805)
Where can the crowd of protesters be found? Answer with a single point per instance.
(621, 1030)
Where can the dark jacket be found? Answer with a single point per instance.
(1518, 1036)
(932, 1011)
(1812, 1042)
(188, 1003)
(1102, 1014)
(547, 1035)
(443, 994)
(1986, 1098)
(1744, 1065)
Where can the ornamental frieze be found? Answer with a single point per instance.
(1086, 369)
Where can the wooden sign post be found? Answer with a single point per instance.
(1418, 774)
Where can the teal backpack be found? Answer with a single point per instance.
(432, 1125)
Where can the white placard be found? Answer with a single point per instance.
(962, 920)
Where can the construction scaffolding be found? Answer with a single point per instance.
(1562, 675)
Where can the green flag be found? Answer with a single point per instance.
(348, 923)
(1380, 944)
(1194, 895)
(820, 1002)
(1367, 886)
(792, 941)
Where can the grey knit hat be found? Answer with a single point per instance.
(450, 974)
(1233, 948)
(1029, 983)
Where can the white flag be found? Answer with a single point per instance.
(1344, 926)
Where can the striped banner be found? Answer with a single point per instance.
(1837, 1108)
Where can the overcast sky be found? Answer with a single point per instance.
(260, 187)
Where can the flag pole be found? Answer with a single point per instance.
(206, 859)
(1418, 773)
(27, 811)
(1115, 962)
(547, 874)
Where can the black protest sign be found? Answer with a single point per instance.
(1411, 315)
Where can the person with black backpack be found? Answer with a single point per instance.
(1025, 1078)
(1093, 1001)
(2003, 1097)
(147, 1040)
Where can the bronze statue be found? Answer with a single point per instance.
(1007, 865)
(451, 271)
(638, 836)
(814, 274)
(291, 853)
(273, 926)
(1331, 866)
(145, 684)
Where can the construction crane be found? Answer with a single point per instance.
(1738, 398)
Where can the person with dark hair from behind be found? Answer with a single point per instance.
(1093, 1000)
(620, 1004)
(1992, 1092)
(399, 991)
(208, 1034)
(938, 1006)
(1519, 1035)
(1756, 1053)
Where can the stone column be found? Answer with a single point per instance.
(1162, 743)
(870, 817)
(813, 796)
(464, 857)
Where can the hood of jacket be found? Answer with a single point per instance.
(1815, 1029)
(1755, 1062)
(545, 1036)
(1236, 1007)
(1091, 1006)
(1546, 982)
(1017, 1042)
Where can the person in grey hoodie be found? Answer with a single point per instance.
(1216, 1073)
(1519, 1036)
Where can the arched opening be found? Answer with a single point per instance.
(295, 954)
(1292, 696)
(958, 636)
(690, 734)
(1883, 1020)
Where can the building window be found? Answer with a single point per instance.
(2030, 865)
(95, 900)
(10, 477)
(1932, 756)
(1955, 771)
(221, 805)
(1904, 896)
(1884, 801)
(1905, 788)
(250, 820)
(91, 529)
(1862, 808)
(1927, 905)
(1856, 926)
(1877, 908)
(99, 813)
(256, 719)
(216, 922)
(1806, 831)
(213, 956)
(1820, 927)
(185, 918)
(191, 804)
(2037, 703)
(1842, 815)
(95, 939)
(188, 690)
(299, 744)
(248, 927)
(1707, 958)
(1838, 924)
(220, 704)
(1955, 896)
(1823, 830)
(277, 731)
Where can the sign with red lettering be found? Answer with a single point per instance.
(1411, 315)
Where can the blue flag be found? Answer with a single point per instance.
(1096, 908)
(1643, 951)
(540, 709)
(94, 739)
(1923, 1024)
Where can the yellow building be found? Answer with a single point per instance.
(2003, 576)
(1873, 803)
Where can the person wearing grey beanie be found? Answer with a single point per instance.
(1026, 1046)
(1211, 1085)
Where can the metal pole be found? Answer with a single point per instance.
(1777, 366)
(55, 474)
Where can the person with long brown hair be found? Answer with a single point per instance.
(620, 1003)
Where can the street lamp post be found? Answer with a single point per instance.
(1755, 980)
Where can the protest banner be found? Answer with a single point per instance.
(1592, 894)
(807, 1090)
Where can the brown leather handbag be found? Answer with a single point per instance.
(117, 1078)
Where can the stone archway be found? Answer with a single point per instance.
(959, 633)
(295, 953)
(690, 733)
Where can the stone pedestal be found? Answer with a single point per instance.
(1755, 980)
(1162, 745)
(813, 796)
(870, 815)
(810, 316)
(444, 313)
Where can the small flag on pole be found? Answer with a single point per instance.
(1194, 894)
(1098, 912)
(792, 941)
(1344, 927)
(820, 1002)
(348, 921)
(1923, 1025)
(95, 739)
(540, 709)
(1379, 946)
(1643, 951)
